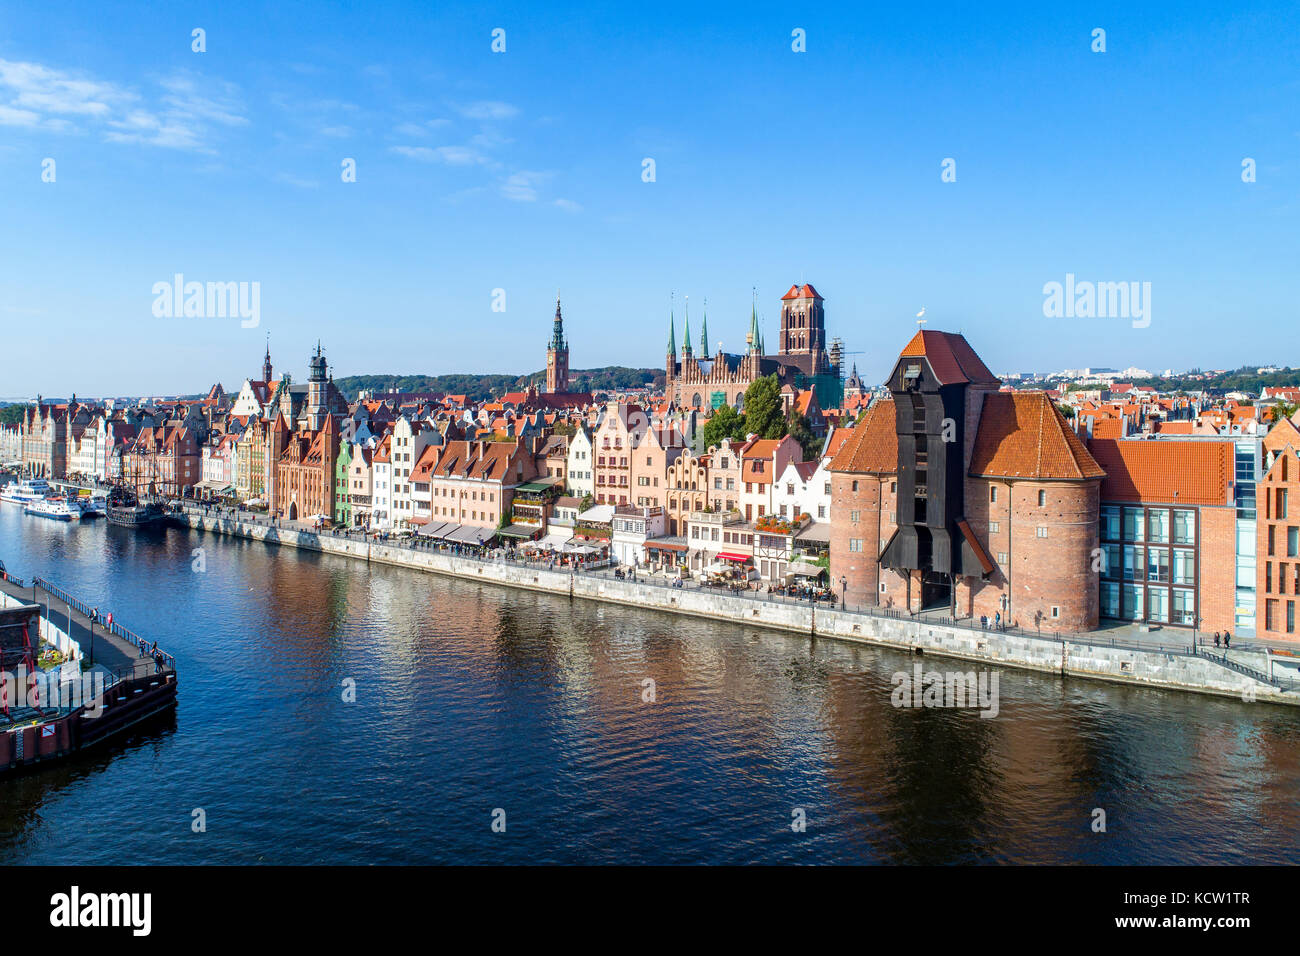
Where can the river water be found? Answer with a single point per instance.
(472, 699)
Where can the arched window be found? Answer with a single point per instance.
(695, 400)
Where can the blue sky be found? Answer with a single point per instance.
(522, 171)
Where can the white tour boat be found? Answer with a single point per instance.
(26, 491)
(57, 508)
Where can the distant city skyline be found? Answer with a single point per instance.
(490, 178)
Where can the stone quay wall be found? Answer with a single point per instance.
(1072, 657)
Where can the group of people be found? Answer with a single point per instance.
(157, 655)
(996, 622)
(1227, 639)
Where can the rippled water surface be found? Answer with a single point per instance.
(472, 697)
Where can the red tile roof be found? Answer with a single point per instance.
(871, 447)
(1185, 472)
(950, 356)
(1022, 435)
(801, 292)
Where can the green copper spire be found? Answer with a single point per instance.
(686, 330)
(704, 331)
(672, 331)
(755, 337)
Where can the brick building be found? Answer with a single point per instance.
(711, 377)
(955, 495)
(1278, 541)
(1169, 527)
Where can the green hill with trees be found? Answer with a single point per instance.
(483, 387)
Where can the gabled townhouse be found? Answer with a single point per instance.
(472, 483)
(409, 440)
(579, 479)
(687, 480)
(381, 511)
(761, 461)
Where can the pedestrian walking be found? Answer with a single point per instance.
(1216, 638)
(1227, 640)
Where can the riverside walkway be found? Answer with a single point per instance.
(110, 646)
(1124, 656)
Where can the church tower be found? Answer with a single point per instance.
(671, 365)
(557, 356)
(317, 384)
(803, 326)
(266, 362)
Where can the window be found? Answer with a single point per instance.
(855, 545)
(1292, 542)
(1158, 565)
(1042, 531)
(828, 488)
(1042, 498)
(1003, 557)
(993, 493)
(1184, 526)
(1110, 523)
(821, 511)
(1056, 611)
(994, 527)
(853, 516)
(855, 486)
(1109, 599)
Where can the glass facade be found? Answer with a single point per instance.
(1248, 466)
(1149, 564)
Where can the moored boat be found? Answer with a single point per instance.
(59, 509)
(94, 506)
(26, 491)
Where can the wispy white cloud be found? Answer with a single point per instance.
(568, 205)
(420, 129)
(289, 180)
(34, 95)
(43, 90)
(488, 110)
(522, 186)
(451, 155)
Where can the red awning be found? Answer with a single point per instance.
(728, 556)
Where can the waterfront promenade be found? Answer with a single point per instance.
(113, 648)
(1243, 673)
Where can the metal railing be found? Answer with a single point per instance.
(12, 579)
(91, 614)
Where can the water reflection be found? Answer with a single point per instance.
(471, 697)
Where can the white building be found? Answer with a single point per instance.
(804, 488)
(579, 482)
(381, 509)
(408, 442)
(631, 526)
